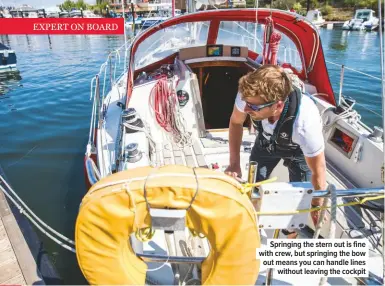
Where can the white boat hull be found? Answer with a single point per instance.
(7, 67)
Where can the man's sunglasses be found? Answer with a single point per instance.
(259, 107)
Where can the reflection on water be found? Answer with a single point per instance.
(8, 81)
(45, 113)
(339, 44)
(361, 51)
(44, 121)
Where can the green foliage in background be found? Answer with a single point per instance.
(99, 8)
(332, 10)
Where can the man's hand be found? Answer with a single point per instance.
(235, 139)
(315, 217)
(317, 166)
(234, 171)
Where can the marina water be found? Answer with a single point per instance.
(45, 113)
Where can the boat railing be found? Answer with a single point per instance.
(288, 58)
(364, 192)
(110, 73)
(341, 96)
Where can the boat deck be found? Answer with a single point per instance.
(352, 221)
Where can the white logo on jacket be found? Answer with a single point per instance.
(283, 135)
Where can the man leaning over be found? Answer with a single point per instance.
(289, 128)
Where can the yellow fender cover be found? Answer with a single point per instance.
(115, 207)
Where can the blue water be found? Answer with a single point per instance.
(359, 51)
(45, 113)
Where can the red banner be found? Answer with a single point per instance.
(61, 26)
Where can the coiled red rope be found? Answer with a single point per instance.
(163, 100)
(270, 53)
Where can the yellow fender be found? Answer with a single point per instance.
(115, 207)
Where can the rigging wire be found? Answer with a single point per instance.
(256, 5)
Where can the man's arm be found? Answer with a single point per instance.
(235, 138)
(317, 165)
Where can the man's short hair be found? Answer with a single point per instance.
(268, 82)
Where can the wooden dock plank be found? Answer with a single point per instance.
(17, 280)
(23, 254)
(15, 256)
(9, 270)
(4, 207)
(7, 255)
(4, 241)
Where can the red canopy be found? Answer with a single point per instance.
(303, 34)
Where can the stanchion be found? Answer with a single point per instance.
(269, 273)
(252, 175)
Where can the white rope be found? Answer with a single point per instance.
(183, 138)
(34, 219)
(351, 114)
(160, 267)
(147, 132)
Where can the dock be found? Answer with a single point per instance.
(332, 24)
(20, 248)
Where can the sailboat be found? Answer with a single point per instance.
(160, 210)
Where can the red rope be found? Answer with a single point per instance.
(164, 101)
(270, 53)
(273, 47)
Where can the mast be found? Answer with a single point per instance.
(381, 32)
(173, 8)
(133, 17)
(124, 21)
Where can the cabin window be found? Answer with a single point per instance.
(169, 40)
(363, 15)
(242, 34)
(343, 140)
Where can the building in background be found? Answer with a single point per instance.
(146, 6)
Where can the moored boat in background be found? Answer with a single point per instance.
(363, 19)
(8, 58)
